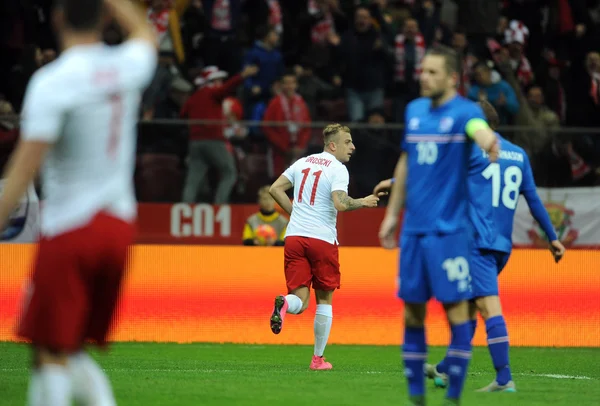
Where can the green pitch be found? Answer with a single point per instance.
(212, 374)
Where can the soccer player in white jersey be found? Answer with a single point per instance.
(320, 183)
(79, 121)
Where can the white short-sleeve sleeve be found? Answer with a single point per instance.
(42, 115)
(340, 179)
(138, 59)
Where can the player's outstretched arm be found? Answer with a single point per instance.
(21, 170)
(388, 227)
(42, 119)
(131, 18)
(278, 189)
(398, 187)
(383, 186)
(343, 202)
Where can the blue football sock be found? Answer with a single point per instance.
(414, 353)
(458, 357)
(442, 367)
(497, 338)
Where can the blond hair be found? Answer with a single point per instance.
(332, 130)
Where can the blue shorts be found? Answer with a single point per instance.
(435, 265)
(486, 265)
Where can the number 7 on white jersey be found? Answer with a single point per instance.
(116, 118)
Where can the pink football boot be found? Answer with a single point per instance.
(319, 364)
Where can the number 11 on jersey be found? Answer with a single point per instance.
(313, 193)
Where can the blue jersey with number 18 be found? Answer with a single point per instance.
(508, 178)
(438, 151)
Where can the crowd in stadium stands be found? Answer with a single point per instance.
(300, 61)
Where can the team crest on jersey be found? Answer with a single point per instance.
(561, 218)
(446, 124)
(413, 124)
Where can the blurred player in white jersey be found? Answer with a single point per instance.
(79, 121)
(320, 183)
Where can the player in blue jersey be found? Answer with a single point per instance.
(495, 190)
(431, 175)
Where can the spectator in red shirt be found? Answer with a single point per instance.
(208, 145)
(287, 142)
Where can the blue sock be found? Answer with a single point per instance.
(459, 355)
(442, 367)
(414, 353)
(497, 337)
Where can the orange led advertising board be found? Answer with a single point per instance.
(225, 294)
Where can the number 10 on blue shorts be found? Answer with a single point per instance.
(435, 265)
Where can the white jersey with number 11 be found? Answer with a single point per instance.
(315, 178)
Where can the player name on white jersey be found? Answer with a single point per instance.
(318, 161)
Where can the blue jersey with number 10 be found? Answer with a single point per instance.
(438, 151)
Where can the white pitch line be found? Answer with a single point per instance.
(558, 376)
(210, 371)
